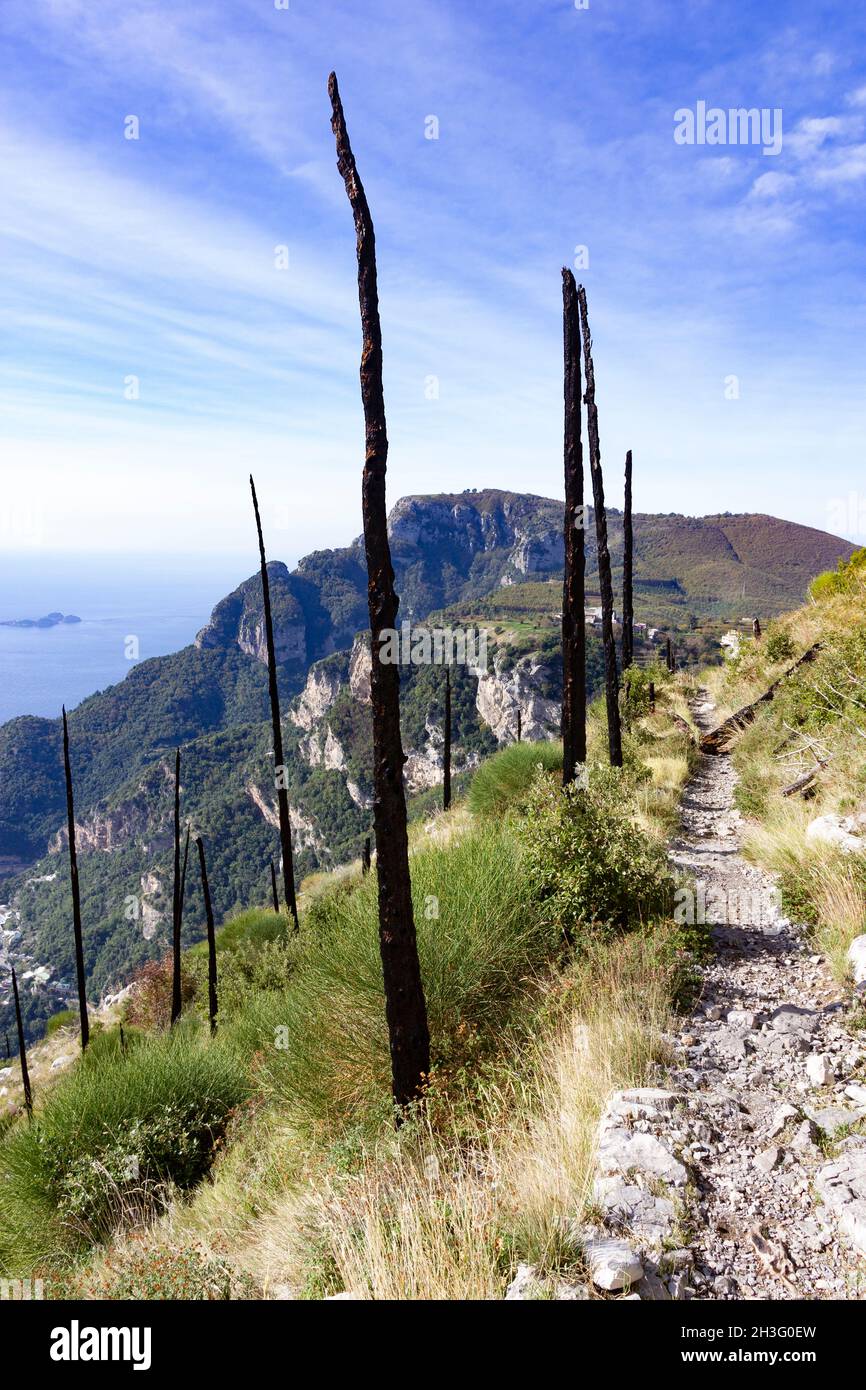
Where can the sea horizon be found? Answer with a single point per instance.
(160, 600)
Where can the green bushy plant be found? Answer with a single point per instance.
(588, 865)
(503, 781)
(779, 645)
(64, 1018)
(321, 1044)
(112, 1140)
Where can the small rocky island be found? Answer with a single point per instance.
(50, 620)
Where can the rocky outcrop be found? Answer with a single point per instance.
(238, 620)
(360, 663)
(324, 682)
(502, 693)
(139, 816)
(305, 833)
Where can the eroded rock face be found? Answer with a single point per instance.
(502, 693)
(323, 684)
(360, 663)
(141, 815)
(239, 620)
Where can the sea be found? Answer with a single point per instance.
(159, 601)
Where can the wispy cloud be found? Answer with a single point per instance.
(155, 258)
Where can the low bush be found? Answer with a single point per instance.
(148, 1004)
(587, 863)
(65, 1018)
(112, 1140)
(143, 1271)
(322, 1043)
(503, 781)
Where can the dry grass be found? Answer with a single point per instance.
(444, 1210)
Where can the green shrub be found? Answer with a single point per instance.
(249, 968)
(845, 579)
(253, 927)
(779, 645)
(588, 864)
(503, 781)
(65, 1018)
(322, 1043)
(112, 1140)
(157, 1272)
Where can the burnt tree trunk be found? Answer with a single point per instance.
(76, 893)
(611, 675)
(176, 1002)
(652, 697)
(279, 769)
(446, 752)
(573, 619)
(211, 939)
(627, 564)
(274, 894)
(365, 857)
(669, 655)
(22, 1050)
(756, 629)
(405, 1005)
(519, 726)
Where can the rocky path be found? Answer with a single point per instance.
(741, 1174)
(773, 1082)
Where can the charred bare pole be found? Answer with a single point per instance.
(519, 726)
(22, 1050)
(446, 754)
(211, 939)
(405, 1005)
(627, 565)
(76, 893)
(176, 1003)
(366, 859)
(282, 793)
(611, 675)
(573, 588)
(669, 655)
(274, 894)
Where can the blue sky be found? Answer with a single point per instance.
(154, 258)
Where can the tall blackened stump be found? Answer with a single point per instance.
(627, 567)
(519, 726)
(76, 893)
(176, 1002)
(274, 894)
(611, 675)
(277, 728)
(366, 858)
(211, 939)
(756, 629)
(405, 1005)
(446, 752)
(22, 1050)
(573, 621)
(669, 655)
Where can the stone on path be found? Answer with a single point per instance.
(612, 1263)
(819, 1069)
(842, 1187)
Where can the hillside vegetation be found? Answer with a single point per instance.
(816, 724)
(266, 1162)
